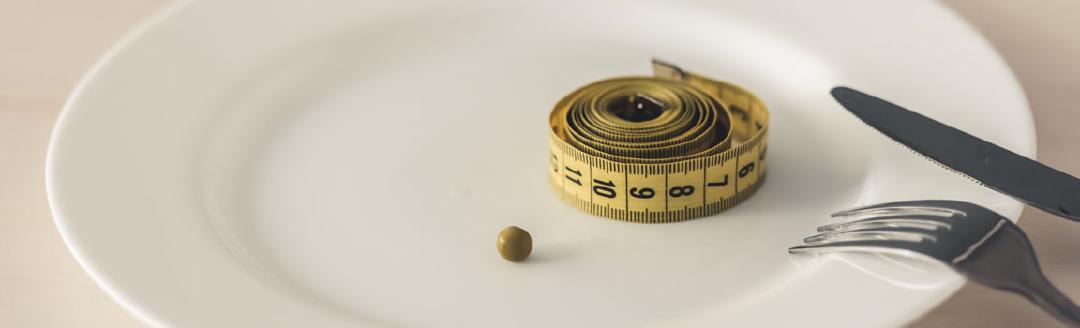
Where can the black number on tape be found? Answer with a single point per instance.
(679, 191)
(746, 169)
(555, 163)
(643, 193)
(568, 177)
(719, 184)
(605, 188)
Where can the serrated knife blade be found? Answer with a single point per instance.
(995, 167)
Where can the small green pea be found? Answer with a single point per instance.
(514, 244)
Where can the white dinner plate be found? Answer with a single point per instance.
(341, 163)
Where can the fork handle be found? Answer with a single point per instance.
(1000, 264)
(1040, 291)
(1006, 260)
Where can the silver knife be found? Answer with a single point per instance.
(998, 168)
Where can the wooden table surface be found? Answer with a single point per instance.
(46, 45)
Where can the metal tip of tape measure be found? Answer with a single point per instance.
(667, 70)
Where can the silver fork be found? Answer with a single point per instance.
(974, 240)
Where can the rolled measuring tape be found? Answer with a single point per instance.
(672, 147)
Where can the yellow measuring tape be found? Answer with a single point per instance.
(668, 148)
